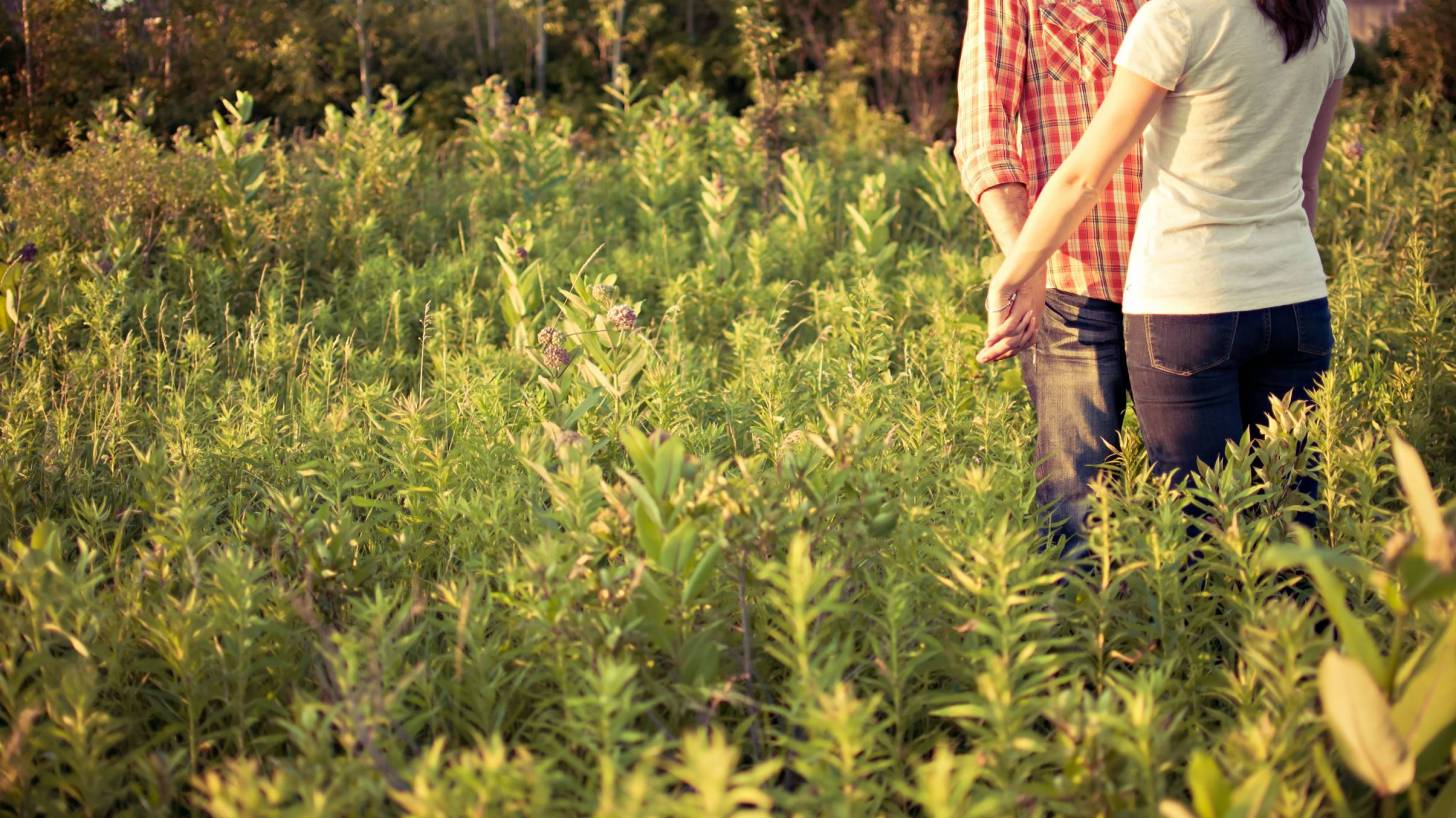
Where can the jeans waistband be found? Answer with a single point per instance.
(1083, 303)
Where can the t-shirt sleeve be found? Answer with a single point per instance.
(1157, 44)
(1338, 23)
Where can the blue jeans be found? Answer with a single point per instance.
(1077, 376)
(1198, 381)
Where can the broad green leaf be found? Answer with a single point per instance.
(639, 450)
(1427, 704)
(1210, 789)
(1359, 718)
(678, 545)
(649, 532)
(701, 572)
(1173, 809)
(1255, 797)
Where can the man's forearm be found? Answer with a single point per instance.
(1004, 208)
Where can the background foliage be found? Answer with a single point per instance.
(58, 57)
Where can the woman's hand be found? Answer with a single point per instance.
(1013, 316)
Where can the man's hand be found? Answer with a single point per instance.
(1010, 330)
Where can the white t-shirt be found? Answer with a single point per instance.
(1222, 226)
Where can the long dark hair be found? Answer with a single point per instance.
(1298, 21)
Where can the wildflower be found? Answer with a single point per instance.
(550, 337)
(105, 265)
(1355, 151)
(522, 254)
(660, 437)
(27, 254)
(604, 292)
(622, 317)
(568, 438)
(557, 358)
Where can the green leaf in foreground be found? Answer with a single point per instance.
(1359, 717)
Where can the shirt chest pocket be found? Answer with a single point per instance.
(1077, 42)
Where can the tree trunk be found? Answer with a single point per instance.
(492, 29)
(621, 25)
(167, 52)
(476, 38)
(541, 48)
(29, 66)
(361, 33)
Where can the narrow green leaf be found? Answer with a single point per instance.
(1415, 482)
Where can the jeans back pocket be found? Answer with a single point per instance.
(1189, 344)
(1312, 321)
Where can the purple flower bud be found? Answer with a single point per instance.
(660, 436)
(568, 438)
(557, 359)
(1355, 151)
(105, 265)
(622, 317)
(550, 337)
(27, 254)
(604, 292)
(522, 254)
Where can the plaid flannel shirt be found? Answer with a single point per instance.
(1032, 74)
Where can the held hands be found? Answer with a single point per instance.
(1013, 316)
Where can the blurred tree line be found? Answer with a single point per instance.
(58, 58)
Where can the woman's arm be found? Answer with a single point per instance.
(1066, 200)
(1314, 155)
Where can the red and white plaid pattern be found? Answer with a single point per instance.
(1032, 74)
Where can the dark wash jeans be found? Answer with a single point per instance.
(1199, 381)
(1077, 376)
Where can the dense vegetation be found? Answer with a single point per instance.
(653, 474)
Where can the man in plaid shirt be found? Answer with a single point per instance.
(1032, 74)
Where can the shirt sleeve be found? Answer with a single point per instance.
(1338, 23)
(1157, 44)
(989, 88)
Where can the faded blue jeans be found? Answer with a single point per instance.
(1076, 372)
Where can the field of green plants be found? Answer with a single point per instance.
(648, 471)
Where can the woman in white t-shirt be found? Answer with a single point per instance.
(1225, 302)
